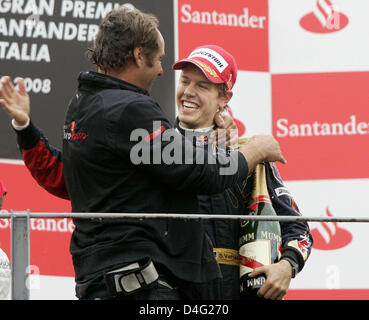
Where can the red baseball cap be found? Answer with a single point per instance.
(217, 64)
(2, 189)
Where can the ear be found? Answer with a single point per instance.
(139, 56)
(224, 100)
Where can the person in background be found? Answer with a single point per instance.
(125, 258)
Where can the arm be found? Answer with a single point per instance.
(42, 160)
(259, 148)
(296, 240)
(143, 133)
(192, 169)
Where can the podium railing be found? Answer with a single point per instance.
(20, 234)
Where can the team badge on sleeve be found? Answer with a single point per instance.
(303, 245)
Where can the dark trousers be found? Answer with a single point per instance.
(167, 288)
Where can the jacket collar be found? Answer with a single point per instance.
(199, 137)
(194, 132)
(96, 79)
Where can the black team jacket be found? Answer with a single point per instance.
(297, 240)
(113, 134)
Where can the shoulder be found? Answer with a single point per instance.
(120, 104)
(123, 98)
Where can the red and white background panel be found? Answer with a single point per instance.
(304, 77)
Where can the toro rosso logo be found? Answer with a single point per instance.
(70, 132)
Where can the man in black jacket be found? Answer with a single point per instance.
(110, 117)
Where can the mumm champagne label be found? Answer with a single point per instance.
(254, 255)
(260, 241)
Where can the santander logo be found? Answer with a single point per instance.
(329, 236)
(325, 18)
(353, 127)
(243, 19)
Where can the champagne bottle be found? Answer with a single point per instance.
(260, 241)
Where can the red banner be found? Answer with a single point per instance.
(50, 238)
(212, 22)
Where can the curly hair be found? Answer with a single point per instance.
(120, 32)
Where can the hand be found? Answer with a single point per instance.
(261, 148)
(278, 278)
(268, 147)
(227, 132)
(16, 104)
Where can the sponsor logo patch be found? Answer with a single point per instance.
(282, 191)
(70, 132)
(213, 57)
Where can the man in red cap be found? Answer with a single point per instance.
(219, 68)
(205, 86)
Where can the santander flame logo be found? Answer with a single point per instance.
(329, 236)
(325, 18)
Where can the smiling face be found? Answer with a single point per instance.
(198, 99)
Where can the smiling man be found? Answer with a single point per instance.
(205, 85)
(205, 88)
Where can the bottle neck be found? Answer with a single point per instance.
(260, 189)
